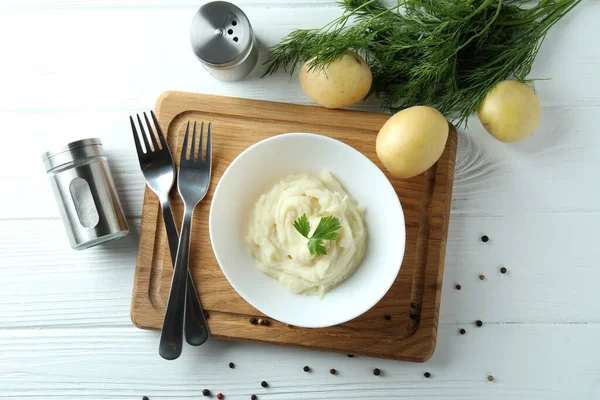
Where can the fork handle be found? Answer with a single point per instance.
(171, 338)
(196, 328)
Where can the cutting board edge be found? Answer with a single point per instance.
(424, 337)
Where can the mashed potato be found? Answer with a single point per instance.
(282, 252)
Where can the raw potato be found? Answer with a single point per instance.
(411, 141)
(340, 84)
(511, 111)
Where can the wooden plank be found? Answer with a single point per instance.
(488, 173)
(61, 76)
(238, 123)
(67, 288)
(122, 363)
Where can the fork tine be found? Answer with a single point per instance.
(201, 152)
(193, 149)
(161, 137)
(209, 144)
(136, 138)
(184, 147)
(144, 138)
(151, 133)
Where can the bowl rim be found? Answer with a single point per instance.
(361, 310)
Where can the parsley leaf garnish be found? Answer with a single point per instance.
(302, 225)
(326, 230)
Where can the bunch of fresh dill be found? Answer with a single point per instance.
(447, 54)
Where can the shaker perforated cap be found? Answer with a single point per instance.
(220, 34)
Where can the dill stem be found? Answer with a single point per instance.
(481, 32)
(345, 16)
(478, 10)
(539, 11)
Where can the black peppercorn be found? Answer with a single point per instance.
(462, 331)
(145, 398)
(264, 384)
(206, 392)
(376, 372)
(206, 315)
(427, 375)
(332, 371)
(458, 287)
(253, 321)
(485, 239)
(350, 355)
(265, 322)
(231, 365)
(388, 317)
(479, 323)
(414, 316)
(306, 368)
(253, 397)
(503, 270)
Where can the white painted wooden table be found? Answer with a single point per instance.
(75, 68)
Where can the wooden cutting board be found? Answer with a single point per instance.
(403, 325)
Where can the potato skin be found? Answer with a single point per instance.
(412, 140)
(511, 111)
(342, 83)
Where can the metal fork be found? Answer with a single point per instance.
(193, 180)
(158, 168)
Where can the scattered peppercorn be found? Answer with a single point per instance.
(388, 317)
(265, 322)
(264, 384)
(206, 315)
(350, 355)
(503, 270)
(231, 365)
(414, 316)
(306, 368)
(485, 239)
(479, 323)
(376, 372)
(462, 331)
(332, 371)
(220, 396)
(427, 375)
(481, 277)
(289, 325)
(145, 398)
(206, 392)
(253, 321)
(253, 397)
(490, 378)
(260, 321)
(458, 287)
(414, 305)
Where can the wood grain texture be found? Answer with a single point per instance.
(122, 364)
(413, 301)
(46, 284)
(79, 68)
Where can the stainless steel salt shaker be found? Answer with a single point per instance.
(223, 40)
(85, 193)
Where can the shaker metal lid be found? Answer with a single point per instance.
(220, 34)
(79, 149)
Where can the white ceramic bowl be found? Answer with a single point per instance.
(262, 165)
